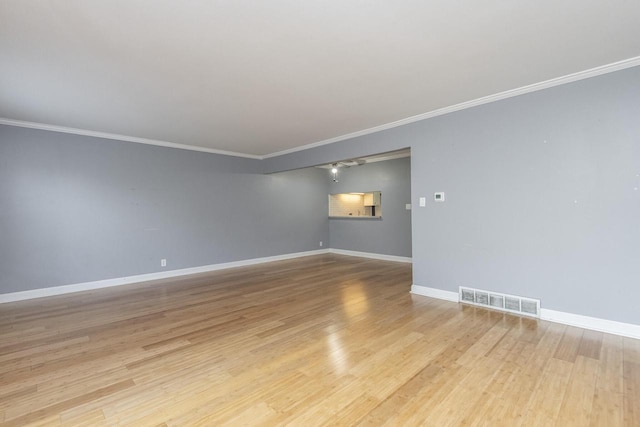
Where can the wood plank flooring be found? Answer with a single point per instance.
(321, 340)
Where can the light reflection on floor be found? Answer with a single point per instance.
(337, 354)
(354, 299)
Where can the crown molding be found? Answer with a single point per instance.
(581, 75)
(126, 138)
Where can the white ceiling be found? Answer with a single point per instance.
(258, 77)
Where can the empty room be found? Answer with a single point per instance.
(319, 213)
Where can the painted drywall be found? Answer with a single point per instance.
(542, 201)
(390, 235)
(75, 209)
(542, 195)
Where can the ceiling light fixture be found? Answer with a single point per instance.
(334, 171)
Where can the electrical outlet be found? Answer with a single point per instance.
(320, 242)
(423, 202)
(163, 262)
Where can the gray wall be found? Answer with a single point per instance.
(75, 209)
(542, 198)
(392, 234)
(542, 195)
(542, 201)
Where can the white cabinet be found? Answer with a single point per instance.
(372, 199)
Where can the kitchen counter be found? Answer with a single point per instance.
(356, 217)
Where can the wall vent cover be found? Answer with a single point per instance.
(498, 301)
(467, 295)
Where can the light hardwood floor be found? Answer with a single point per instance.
(322, 340)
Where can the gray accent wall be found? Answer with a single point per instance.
(390, 235)
(75, 209)
(542, 195)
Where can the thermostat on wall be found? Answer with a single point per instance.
(438, 197)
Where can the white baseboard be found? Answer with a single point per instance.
(602, 325)
(370, 255)
(434, 293)
(99, 284)
(119, 281)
